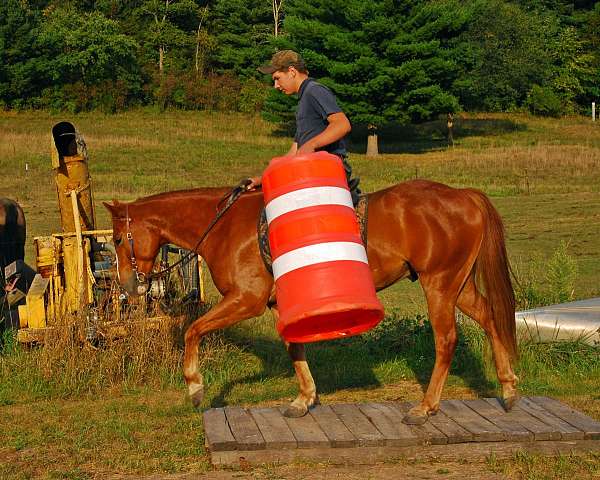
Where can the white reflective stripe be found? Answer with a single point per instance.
(318, 253)
(307, 197)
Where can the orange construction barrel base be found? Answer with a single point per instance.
(314, 303)
(339, 319)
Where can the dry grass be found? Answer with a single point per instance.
(69, 410)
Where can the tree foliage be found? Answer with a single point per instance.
(21, 68)
(387, 60)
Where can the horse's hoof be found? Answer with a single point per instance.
(294, 411)
(197, 395)
(509, 402)
(414, 419)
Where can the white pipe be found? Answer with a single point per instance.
(571, 321)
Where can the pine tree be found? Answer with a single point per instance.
(243, 31)
(21, 69)
(387, 61)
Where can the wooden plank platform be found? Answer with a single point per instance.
(370, 432)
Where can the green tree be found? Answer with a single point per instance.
(575, 50)
(21, 68)
(573, 68)
(590, 31)
(504, 53)
(387, 61)
(243, 32)
(86, 49)
(169, 24)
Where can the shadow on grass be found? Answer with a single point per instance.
(429, 136)
(418, 138)
(352, 362)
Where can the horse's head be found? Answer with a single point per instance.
(136, 244)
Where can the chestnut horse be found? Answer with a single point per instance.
(452, 239)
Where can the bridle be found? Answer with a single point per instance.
(142, 278)
(139, 276)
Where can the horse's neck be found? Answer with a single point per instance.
(183, 219)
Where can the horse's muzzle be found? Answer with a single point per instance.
(135, 287)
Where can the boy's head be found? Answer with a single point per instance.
(288, 71)
(282, 61)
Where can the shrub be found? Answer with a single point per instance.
(562, 274)
(544, 102)
(193, 92)
(547, 282)
(252, 96)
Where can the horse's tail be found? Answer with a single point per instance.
(493, 269)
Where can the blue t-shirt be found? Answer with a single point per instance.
(316, 102)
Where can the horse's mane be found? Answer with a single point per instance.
(184, 194)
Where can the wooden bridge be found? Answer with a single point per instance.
(371, 432)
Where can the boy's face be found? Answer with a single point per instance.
(285, 80)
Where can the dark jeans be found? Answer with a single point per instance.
(352, 182)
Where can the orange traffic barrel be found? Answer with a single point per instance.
(323, 284)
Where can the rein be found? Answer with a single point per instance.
(224, 204)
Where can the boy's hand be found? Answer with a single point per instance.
(254, 183)
(305, 149)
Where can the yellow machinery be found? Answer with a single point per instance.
(75, 273)
(65, 262)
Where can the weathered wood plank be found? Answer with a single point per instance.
(512, 430)
(427, 432)
(389, 422)
(541, 431)
(372, 432)
(336, 431)
(217, 433)
(588, 425)
(564, 430)
(366, 433)
(470, 452)
(274, 428)
(482, 429)
(307, 432)
(452, 430)
(244, 429)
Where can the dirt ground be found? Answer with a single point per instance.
(417, 471)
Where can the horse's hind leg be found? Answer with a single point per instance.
(233, 308)
(307, 397)
(475, 305)
(440, 302)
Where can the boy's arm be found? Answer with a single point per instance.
(338, 128)
(292, 151)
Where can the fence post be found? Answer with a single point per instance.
(593, 111)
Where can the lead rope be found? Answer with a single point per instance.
(228, 199)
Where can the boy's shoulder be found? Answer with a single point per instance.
(316, 88)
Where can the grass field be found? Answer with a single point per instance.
(81, 414)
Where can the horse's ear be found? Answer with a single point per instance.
(109, 206)
(115, 208)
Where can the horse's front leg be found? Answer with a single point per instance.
(233, 308)
(307, 397)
